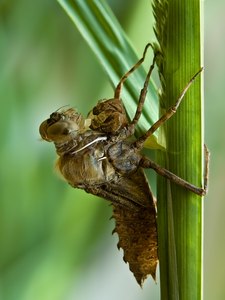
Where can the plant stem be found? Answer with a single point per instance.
(180, 212)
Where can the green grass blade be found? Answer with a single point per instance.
(104, 35)
(180, 241)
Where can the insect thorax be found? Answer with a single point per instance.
(83, 161)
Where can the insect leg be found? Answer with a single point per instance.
(169, 113)
(114, 198)
(143, 92)
(147, 163)
(120, 84)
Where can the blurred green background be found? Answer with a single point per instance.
(55, 241)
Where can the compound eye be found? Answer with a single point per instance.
(43, 130)
(61, 127)
(62, 131)
(58, 131)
